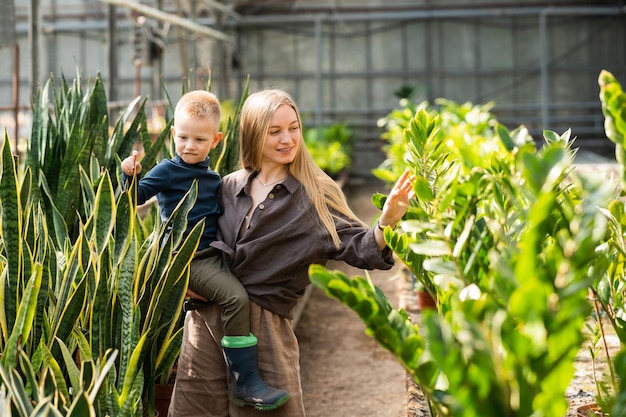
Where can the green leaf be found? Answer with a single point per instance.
(100, 225)
(81, 406)
(24, 319)
(11, 228)
(423, 190)
(430, 248)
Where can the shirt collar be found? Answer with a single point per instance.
(243, 186)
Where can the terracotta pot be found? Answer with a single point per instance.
(590, 410)
(425, 301)
(162, 397)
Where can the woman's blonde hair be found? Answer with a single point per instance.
(326, 195)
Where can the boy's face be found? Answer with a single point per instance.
(194, 138)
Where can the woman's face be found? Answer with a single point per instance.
(283, 137)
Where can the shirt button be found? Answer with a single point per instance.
(270, 196)
(279, 186)
(261, 206)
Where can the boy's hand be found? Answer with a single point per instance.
(131, 165)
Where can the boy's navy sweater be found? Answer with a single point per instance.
(170, 180)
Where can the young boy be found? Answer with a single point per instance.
(196, 132)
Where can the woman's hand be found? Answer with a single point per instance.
(395, 206)
(397, 202)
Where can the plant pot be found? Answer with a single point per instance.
(162, 397)
(590, 410)
(425, 301)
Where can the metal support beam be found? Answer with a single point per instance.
(545, 96)
(34, 36)
(318, 72)
(170, 18)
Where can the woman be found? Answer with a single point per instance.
(281, 214)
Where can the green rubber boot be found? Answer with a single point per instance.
(248, 388)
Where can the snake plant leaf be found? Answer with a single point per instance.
(132, 402)
(73, 373)
(58, 221)
(97, 115)
(160, 255)
(28, 371)
(68, 188)
(55, 374)
(48, 262)
(83, 345)
(153, 149)
(100, 225)
(225, 157)
(103, 374)
(124, 223)
(126, 131)
(89, 195)
(24, 319)
(27, 191)
(129, 325)
(167, 356)
(37, 143)
(81, 406)
(171, 295)
(133, 373)
(11, 228)
(164, 308)
(20, 398)
(100, 327)
(70, 311)
(177, 222)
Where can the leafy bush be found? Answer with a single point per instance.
(330, 147)
(464, 125)
(502, 235)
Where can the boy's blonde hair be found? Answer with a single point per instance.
(199, 104)
(326, 195)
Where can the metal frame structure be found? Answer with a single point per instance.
(538, 63)
(546, 90)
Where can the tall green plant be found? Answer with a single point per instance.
(115, 287)
(465, 125)
(506, 242)
(225, 157)
(83, 277)
(72, 133)
(609, 290)
(22, 395)
(613, 100)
